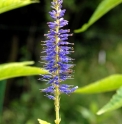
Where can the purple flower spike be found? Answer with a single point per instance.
(55, 47)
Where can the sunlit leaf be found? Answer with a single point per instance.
(19, 69)
(102, 9)
(18, 63)
(42, 122)
(107, 84)
(114, 103)
(7, 5)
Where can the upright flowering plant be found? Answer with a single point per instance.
(56, 60)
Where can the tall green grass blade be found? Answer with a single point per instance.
(2, 93)
(7, 5)
(107, 84)
(19, 69)
(102, 9)
(114, 103)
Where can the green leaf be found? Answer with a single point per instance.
(18, 63)
(114, 103)
(19, 69)
(110, 83)
(7, 5)
(102, 9)
(42, 122)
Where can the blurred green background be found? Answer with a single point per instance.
(97, 54)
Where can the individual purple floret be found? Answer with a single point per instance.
(56, 59)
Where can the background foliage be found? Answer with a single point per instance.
(97, 55)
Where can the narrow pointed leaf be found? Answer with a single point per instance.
(19, 69)
(102, 9)
(7, 5)
(110, 83)
(42, 122)
(114, 103)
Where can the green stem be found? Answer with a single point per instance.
(57, 105)
(57, 92)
